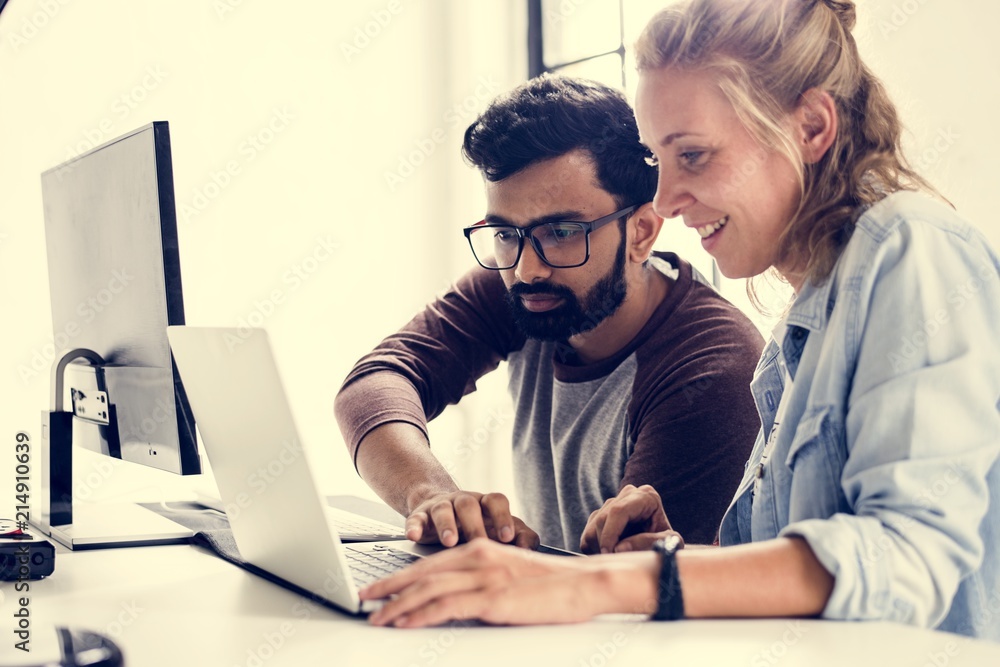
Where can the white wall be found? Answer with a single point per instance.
(940, 61)
(941, 64)
(354, 116)
(333, 111)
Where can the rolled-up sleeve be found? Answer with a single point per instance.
(922, 427)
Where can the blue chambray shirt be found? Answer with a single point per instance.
(886, 460)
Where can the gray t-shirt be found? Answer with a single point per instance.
(672, 409)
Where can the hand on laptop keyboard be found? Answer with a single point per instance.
(448, 518)
(369, 565)
(498, 584)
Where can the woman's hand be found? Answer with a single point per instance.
(495, 583)
(631, 521)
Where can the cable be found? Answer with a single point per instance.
(58, 369)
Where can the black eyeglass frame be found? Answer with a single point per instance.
(525, 232)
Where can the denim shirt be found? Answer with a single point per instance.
(886, 457)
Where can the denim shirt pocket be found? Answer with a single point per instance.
(816, 459)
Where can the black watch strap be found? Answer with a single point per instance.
(670, 601)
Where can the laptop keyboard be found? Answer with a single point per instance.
(350, 525)
(376, 563)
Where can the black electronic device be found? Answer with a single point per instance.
(56, 646)
(23, 556)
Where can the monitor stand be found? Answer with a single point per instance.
(108, 525)
(87, 526)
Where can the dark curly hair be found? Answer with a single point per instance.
(550, 116)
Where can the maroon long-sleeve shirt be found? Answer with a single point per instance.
(672, 409)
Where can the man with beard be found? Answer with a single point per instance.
(626, 368)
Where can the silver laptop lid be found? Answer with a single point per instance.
(246, 425)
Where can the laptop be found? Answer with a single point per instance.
(351, 527)
(246, 425)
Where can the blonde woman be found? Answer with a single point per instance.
(873, 491)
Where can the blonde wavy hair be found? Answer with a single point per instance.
(766, 54)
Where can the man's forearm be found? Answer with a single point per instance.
(396, 462)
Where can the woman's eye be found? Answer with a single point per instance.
(692, 158)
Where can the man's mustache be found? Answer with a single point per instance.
(525, 289)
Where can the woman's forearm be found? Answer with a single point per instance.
(778, 577)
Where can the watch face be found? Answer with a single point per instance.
(672, 542)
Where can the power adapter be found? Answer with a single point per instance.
(22, 555)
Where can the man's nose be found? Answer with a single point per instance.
(530, 267)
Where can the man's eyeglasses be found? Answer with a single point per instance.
(562, 245)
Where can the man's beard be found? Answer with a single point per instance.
(570, 318)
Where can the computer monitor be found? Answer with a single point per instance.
(115, 286)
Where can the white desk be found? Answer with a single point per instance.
(180, 605)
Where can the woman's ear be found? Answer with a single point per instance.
(815, 124)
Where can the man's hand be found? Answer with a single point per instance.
(447, 518)
(631, 521)
(500, 585)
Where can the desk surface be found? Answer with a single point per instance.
(180, 605)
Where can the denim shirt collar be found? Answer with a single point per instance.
(813, 305)
(809, 312)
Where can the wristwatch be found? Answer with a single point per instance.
(670, 601)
